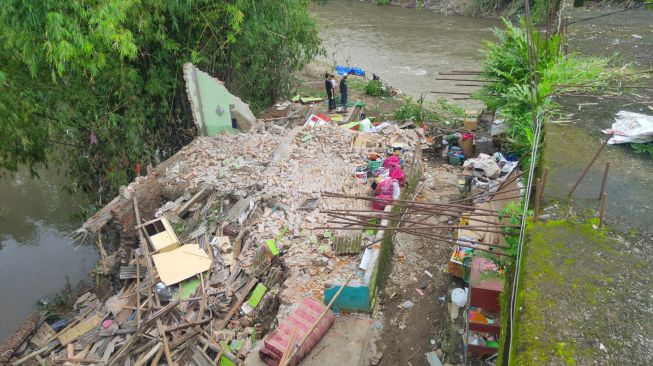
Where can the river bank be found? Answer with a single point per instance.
(583, 298)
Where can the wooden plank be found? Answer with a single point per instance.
(43, 333)
(143, 360)
(130, 272)
(199, 195)
(26, 358)
(79, 330)
(223, 322)
(158, 314)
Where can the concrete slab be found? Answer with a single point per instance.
(344, 344)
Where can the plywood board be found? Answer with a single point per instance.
(79, 330)
(181, 263)
(43, 333)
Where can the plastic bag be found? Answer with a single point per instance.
(459, 296)
(631, 127)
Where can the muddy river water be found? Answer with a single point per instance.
(406, 47)
(36, 258)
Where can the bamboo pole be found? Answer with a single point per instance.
(286, 351)
(138, 290)
(457, 215)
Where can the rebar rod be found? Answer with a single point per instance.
(596, 155)
(605, 179)
(344, 217)
(394, 202)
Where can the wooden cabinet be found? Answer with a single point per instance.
(483, 307)
(484, 287)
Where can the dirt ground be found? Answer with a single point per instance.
(405, 333)
(310, 82)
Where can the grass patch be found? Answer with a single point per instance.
(567, 290)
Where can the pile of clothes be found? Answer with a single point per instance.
(388, 182)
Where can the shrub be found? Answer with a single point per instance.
(414, 111)
(506, 66)
(375, 88)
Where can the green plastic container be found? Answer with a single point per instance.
(373, 165)
(455, 161)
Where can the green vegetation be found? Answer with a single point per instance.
(375, 88)
(574, 278)
(52, 309)
(451, 109)
(539, 8)
(381, 2)
(506, 65)
(643, 148)
(415, 111)
(98, 84)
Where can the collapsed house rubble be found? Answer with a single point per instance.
(216, 245)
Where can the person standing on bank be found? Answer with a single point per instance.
(333, 91)
(328, 85)
(343, 91)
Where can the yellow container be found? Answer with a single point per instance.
(471, 119)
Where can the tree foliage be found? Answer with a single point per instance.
(98, 84)
(506, 67)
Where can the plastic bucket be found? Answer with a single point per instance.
(361, 176)
(373, 165)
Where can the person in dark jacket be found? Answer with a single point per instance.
(328, 85)
(343, 91)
